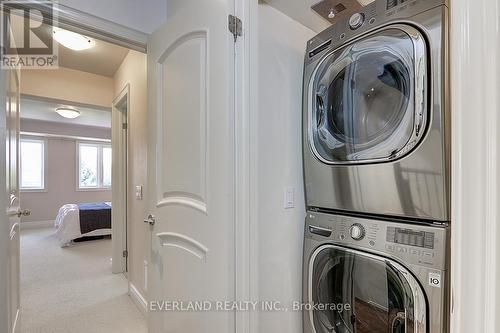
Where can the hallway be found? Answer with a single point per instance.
(73, 289)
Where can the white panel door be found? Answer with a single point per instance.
(14, 208)
(191, 165)
(9, 231)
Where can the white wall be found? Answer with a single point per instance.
(278, 149)
(142, 15)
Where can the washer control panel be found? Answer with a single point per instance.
(418, 244)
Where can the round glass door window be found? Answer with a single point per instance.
(356, 293)
(368, 99)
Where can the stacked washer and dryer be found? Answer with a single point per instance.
(377, 175)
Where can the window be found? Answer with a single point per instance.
(94, 165)
(32, 167)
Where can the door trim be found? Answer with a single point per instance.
(90, 25)
(475, 162)
(245, 259)
(119, 142)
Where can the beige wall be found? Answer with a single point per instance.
(61, 180)
(133, 72)
(69, 85)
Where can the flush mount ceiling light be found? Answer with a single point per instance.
(72, 40)
(68, 113)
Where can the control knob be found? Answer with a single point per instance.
(357, 231)
(356, 20)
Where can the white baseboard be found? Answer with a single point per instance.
(37, 224)
(138, 299)
(16, 328)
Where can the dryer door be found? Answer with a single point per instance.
(356, 292)
(367, 100)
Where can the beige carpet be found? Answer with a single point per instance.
(72, 290)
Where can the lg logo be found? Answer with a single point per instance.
(435, 280)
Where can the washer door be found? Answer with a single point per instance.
(356, 292)
(368, 98)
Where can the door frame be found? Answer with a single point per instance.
(245, 233)
(120, 115)
(475, 163)
(90, 25)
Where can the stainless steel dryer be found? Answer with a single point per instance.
(372, 276)
(376, 119)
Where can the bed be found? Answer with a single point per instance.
(75, 221)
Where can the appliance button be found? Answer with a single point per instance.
(357, 231)
(427, 254)
(401, 249)
(415, 252)
(372, 20)
(342, 236)
(356, 20)
(391, 4)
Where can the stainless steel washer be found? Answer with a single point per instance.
(376, 112)
(374, 276)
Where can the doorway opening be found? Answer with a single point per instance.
(75, 168)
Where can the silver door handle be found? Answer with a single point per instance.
(21, 212)
(151, 219)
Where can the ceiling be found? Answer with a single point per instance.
(102, 59)
(44, 109)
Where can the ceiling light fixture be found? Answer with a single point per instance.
(72, 40)
(68, 113)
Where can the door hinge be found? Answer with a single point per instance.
(124, 126)
(125, 254)
(235, 26)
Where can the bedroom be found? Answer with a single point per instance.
(65, 165)
(77, 124)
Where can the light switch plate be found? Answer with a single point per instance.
(289, 198)
(138, 192)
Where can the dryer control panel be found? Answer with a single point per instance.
(413, 243)
(370, 17)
